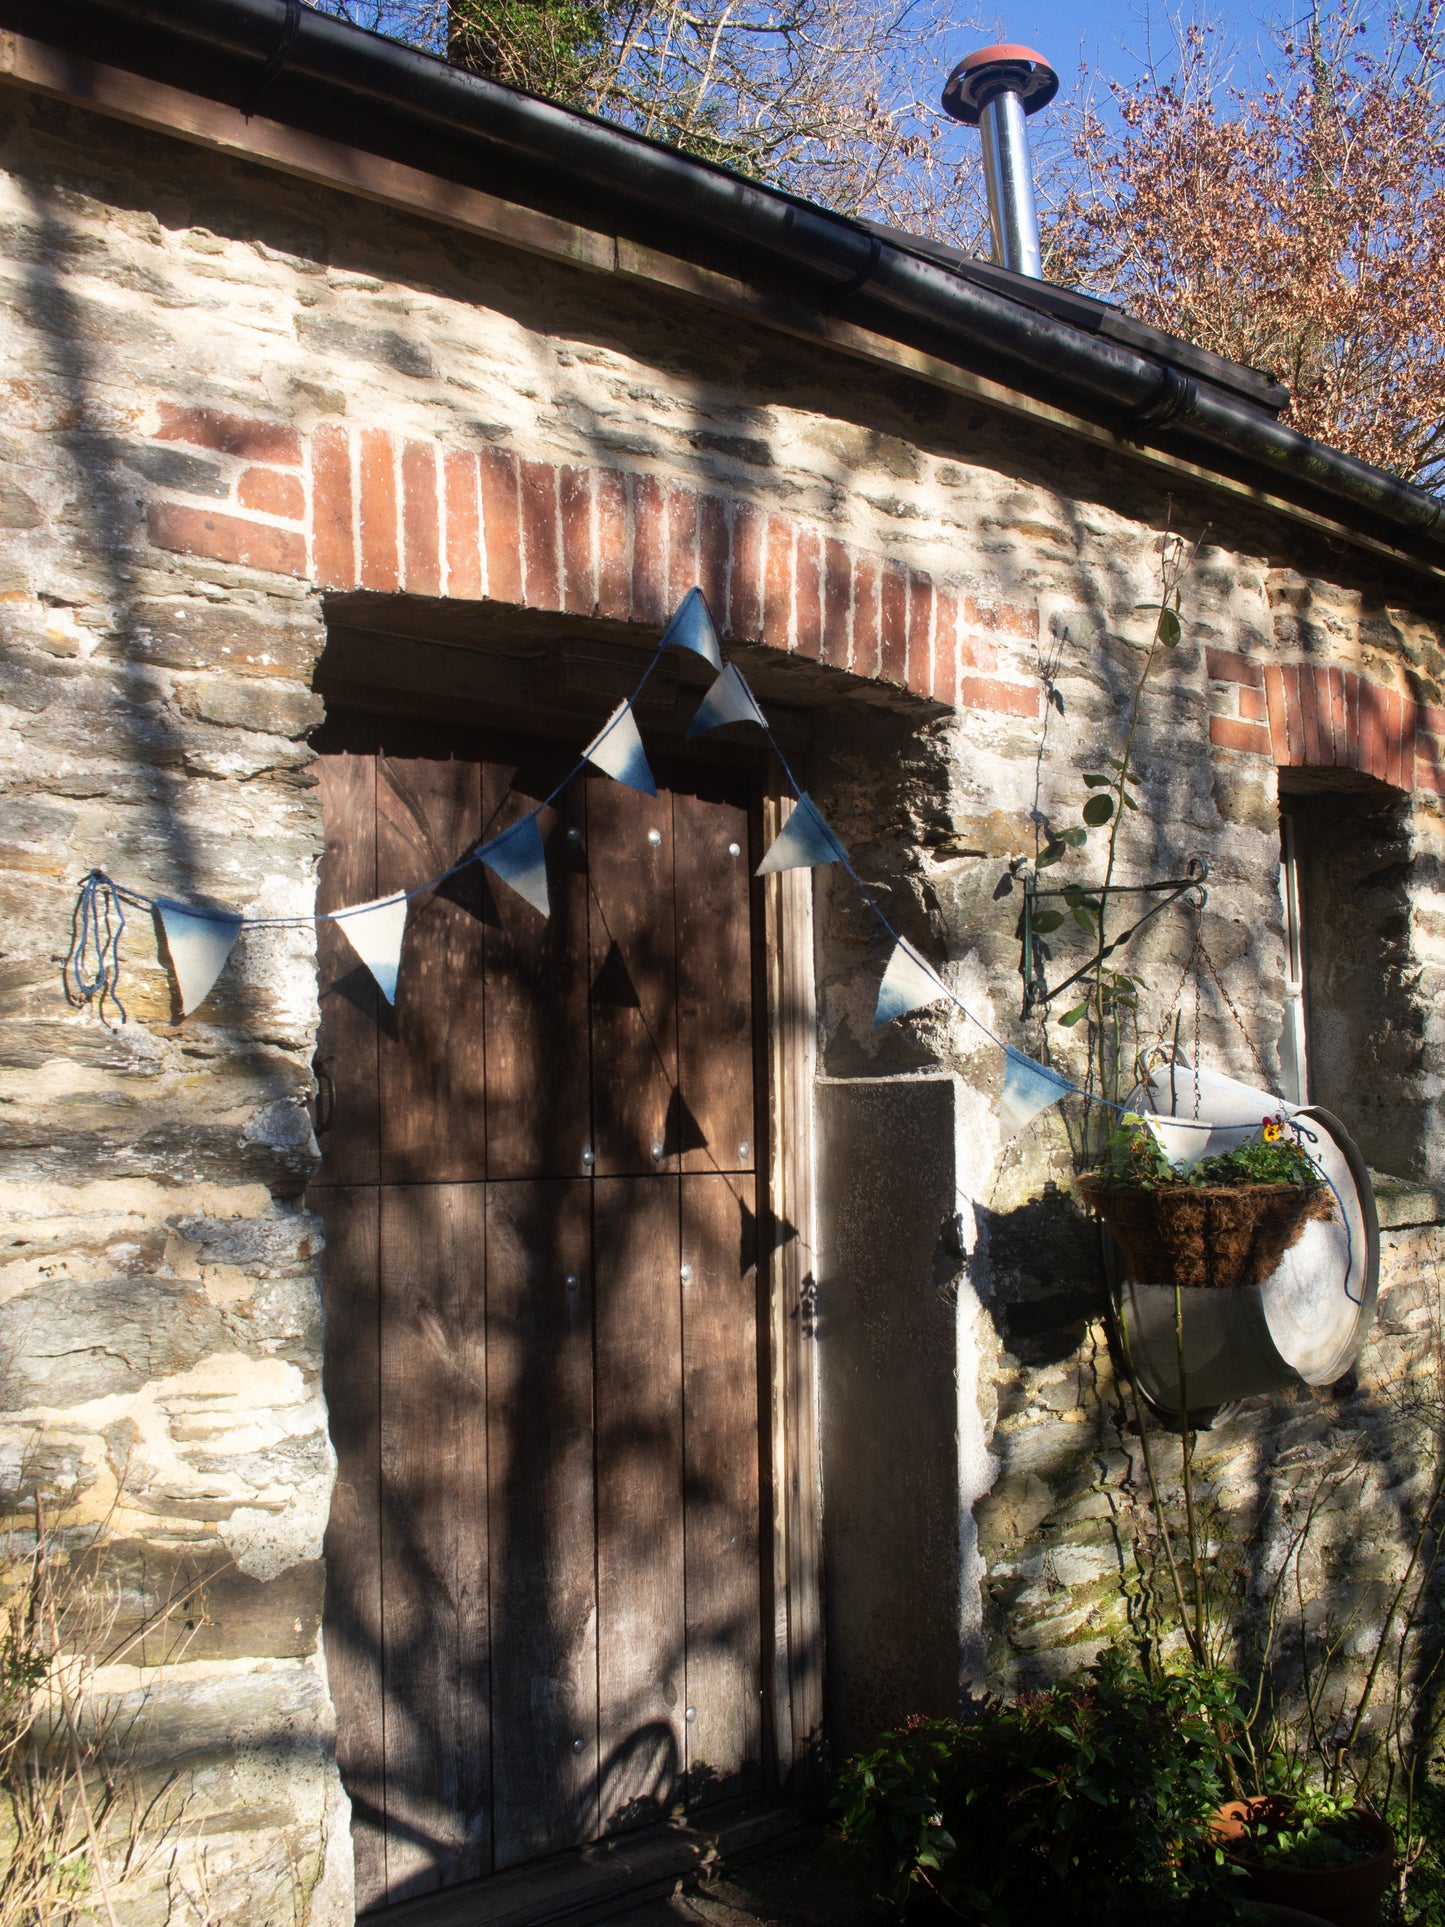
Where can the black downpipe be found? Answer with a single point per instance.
(246, 47)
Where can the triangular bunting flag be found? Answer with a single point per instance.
(199, 942)
(908, 983)
(518, 858)
(617, 749)
(728, 701)
(1028, 1088)
(375, 931)
(692, 627)
(804, 843)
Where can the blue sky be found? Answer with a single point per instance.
(1111, 39)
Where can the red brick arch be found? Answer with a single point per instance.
(1324, 716)
(365, 509)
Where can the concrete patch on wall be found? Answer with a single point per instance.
(898, 1557)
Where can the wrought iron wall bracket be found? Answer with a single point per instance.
(1037, 992)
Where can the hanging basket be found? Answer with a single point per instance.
(1221, 1236)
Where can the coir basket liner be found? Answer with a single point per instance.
(1222, 1235)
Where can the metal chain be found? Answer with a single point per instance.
(1174, 1008)
(1239, 1021)
(1199, 954)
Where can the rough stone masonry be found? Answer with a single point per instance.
(224, 394)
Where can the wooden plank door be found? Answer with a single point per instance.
(544, 1616)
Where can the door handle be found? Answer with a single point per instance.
(324, 1108)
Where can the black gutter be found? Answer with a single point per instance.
(285, 59)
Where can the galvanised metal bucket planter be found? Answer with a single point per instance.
(1194, 1348)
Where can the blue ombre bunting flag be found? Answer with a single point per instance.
(804, 843)
(728, 701)
(375, 932)
(199, 943)
(617, 749)
(692, 627)
(1028, 1088)
(518, 856)
(908, 984)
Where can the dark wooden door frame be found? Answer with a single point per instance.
(789, 1364)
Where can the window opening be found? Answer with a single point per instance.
(1353, 1021)
(1293, 1050)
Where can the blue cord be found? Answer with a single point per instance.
(1121, 1110)
(99, 882)
(91, 971)
(1300, 1134)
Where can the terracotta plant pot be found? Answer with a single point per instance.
(1224, 1236)
(1347, 1896)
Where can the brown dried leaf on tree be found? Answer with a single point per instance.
(1298, 226)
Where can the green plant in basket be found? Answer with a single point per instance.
(1133, 1155)
(1274, 1157)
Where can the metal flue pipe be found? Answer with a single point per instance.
(995, 90)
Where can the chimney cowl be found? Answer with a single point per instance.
(981, 76)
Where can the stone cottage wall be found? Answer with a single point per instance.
(223, 395)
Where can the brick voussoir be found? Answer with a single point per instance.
(1001, 698)
(257, 441)
(1222, 665)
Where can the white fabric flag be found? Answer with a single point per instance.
(908, 984)
(692, 627)
(804, 843)
(1028, 1088)
(374, 931)
(617, 749)
(519, 858)
(728, 701)
(199, 943)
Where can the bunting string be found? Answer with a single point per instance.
(91, 973)
(199, 938)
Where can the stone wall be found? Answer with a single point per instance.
(225, 394)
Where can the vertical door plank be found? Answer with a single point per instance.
(633, 1001)
(640, 1609)
(720, 1443)
(540, 1512)
(714, 984)
(434, 1536)
(428, 814)
(353, 1627)
(346, 1060)
(538, 1103)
